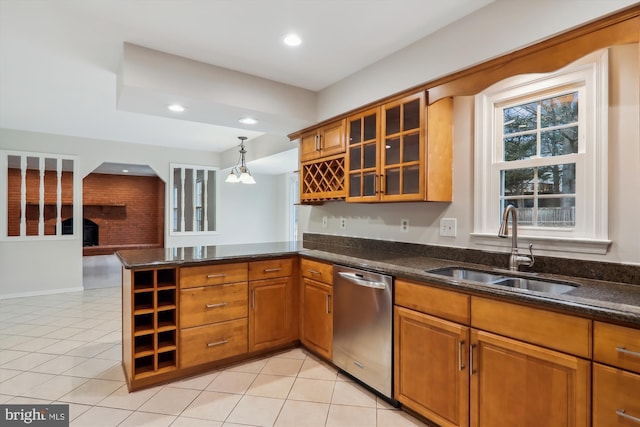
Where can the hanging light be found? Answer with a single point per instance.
(240, 172)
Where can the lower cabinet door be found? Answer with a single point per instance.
(518, 384)
(431, 372)
(203, 344)
(317, 317)
(269, 313)
(616, 397)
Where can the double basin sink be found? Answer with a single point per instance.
(495, 278)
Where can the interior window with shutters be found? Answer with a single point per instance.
(193, 199)
(541, 145)
(41, 194)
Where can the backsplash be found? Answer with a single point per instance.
(597, 270)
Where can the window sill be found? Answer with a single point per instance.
(583, 246)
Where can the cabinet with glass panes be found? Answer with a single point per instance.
(386, 151)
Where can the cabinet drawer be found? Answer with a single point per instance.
(317, 270)
(210, 304)
(435, 301)
(616, 345)
(615, 397)
(191, 277)
(209, 343)
(538, 326)
(270, 269)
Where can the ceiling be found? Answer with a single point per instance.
(59, 60)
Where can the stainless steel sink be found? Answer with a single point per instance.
(459, 273)
(536, 285)
(467, 274)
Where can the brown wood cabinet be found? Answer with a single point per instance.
(515, 383)
(317, 307)
(322, 142)
(616, 388)
(149, 323)
(431, 353)
(431, 375)
(213, 313)
(270, 303)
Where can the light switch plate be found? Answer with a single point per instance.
(404, 225)
(343, 222)
(448, 227)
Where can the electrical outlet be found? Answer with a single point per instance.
(325, 221)
(343, 222)
(448, 227)
(404, 225)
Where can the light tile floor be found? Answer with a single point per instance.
(66, 348)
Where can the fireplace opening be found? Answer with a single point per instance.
(90, 231)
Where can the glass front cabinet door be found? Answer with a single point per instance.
(385, 154)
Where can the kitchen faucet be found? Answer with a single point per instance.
(515, 259)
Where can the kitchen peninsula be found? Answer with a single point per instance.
(190, 310)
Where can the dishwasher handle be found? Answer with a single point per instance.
(361, 281)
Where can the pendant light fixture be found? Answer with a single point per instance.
(240, 172)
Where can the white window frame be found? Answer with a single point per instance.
(207, 203)
(589, 76)
(77, 200)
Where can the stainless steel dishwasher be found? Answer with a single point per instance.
(363, 326)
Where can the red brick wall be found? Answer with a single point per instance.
(128, 209)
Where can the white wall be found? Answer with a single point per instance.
(382, 221)
(496, 29)
(246, 213)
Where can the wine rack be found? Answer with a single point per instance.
(154, 321)
(323, 180)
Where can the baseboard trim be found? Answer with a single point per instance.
(40, 293)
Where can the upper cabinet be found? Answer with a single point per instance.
(386, 152)
(322, 142)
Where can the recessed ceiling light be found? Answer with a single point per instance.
(292, 40)
(248, 121)
(176, 108)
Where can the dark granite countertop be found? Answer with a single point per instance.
(598, 299)
(183, 256)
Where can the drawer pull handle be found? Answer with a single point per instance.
(460, 351)
(213, 276)
(314, 272)
(629, 352)
(271, 270)
(217, 343)
(220, 304)
(623, 414)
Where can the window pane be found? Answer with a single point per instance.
(392, 151)
(370, 155)
(355, 132)
(520, 118)
(177, 199)
(559, 142)
(392, 182)
(211, 200)
(559, 110)
(524, 210)
(370, 127)
(411, 115)
(517, 182)
(393, 120)
(557, 179)
(188, 200)
(411, 180)
(14, 184)
(354, 185)
(557, 212)
(411, 148)
(519, 147)
(369, 184)
(354, 159)
(33, 195)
